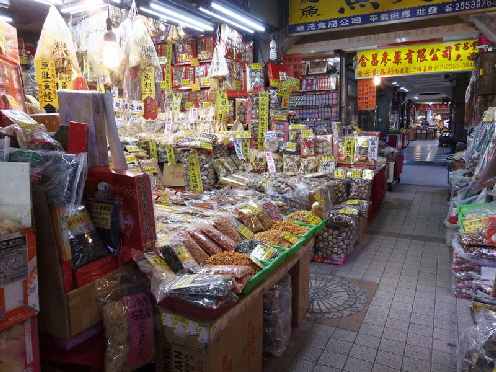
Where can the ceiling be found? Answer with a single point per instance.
(425, 87)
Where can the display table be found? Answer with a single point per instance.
(378, 191)
(235, 339)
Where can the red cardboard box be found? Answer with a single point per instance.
(18, 278)
(19, 347)
(137, 208)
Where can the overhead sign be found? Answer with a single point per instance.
(434, 107)
(306, 16)
(417, 59)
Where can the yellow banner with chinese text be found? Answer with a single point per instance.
(417, 59)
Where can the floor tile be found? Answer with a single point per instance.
(367, 340)
(389, 360)
(363, 352)
(354, 365)
(332, 359)
(393, 347)
(415, 365)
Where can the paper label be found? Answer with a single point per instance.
(285, 102)
(140, 319)
(264, 253)
(130, 159)
(13, 260)
(354, 173)
(290, 238)
(168, 125)
(147, 83)
(349, 147)
(255, 66)
(45, 77)
(263, 118)
(243, 134)
(348, 211)
(205, 82)
(195, 182)
(153, 149)
(185, 82)
(297, 126)
(194, 62)
(271, 165)
(221, 105)
(319, 198)
(367, 174)
(207, 104)
(64, 81)
(313, 219)
(237, 85)
(352, 202)
(291, 146)
(340, 173)
(284, 92)
(474, 224)
(238, 147)
(176, 101)
(307, 133)
(206, 145)
(195, 87)
(275, 83)
(164, 198)
(151, 170)
(281, 117)
(245, 231)
(188, 105)
(132, 148)
(171, 158)
(101, 215)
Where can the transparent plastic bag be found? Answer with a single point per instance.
(106, 217)
(30, 134)
(199, 255)
(218, 67)
(56, 44)
(272, 210)
(223, 241)
(86, 245)
(158, 272)
(205, 285)
(359, 189)
(205, 243)
(127, 315)
(226, 227)
(60, 175)
(177, 256)
(142, 51)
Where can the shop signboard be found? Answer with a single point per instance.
(434, 107)
(417, 59)
(307, 16)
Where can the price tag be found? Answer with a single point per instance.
(319, 198)
(238, 147)
(194, 62)
(270, 135)
(168, 126)
(152, 170)
(246, 232)
(367, 174)
(352, 202)
(313, 219)
(165, 199)
(263, 118)
(297, 126)
(204, 54)
(188, 105)
(130, 148)
(285, 102)
(354, 173)
(340, 173)
(284, 92)
(221, 105)
(176, 101)
(348, 211)
(349, 147)
(291, 146)
(470, 225)
(130, 159)
(195, 182)
(195, 87)
(153, 149)
(205, 82)
(281, 117)
(237, 86)
(207, 104)
(147, 83)
(275, 83)
(271, 165)
(169, 151)
(185, 82)
(290, 238)
(243, 134)
(183, 57)
(255, 66)
(306, 133)
(64, 81)
(206, 145)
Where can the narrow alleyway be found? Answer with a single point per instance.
(412, 321)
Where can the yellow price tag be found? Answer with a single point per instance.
(355, 173)
(132, 148)
(130, 159)
(237, 86)
(169, 151)
(290, 238)
(352, 202)
(256, 66)
(188, 105)
(313, 219)
(195, 182)
(246, 232)
(281, 117)
(340, 173)
(152, 170)
(291, 146)
(275, 83)
(153, 149)
(165, 199)
(195, 87)
(206, 145)
(297, 126)
(147, 83)
(306, 133)
(284, 92)
(185, 82)
(194, 62)
(243, 134)
(319, 198)
(207, 104)
(205, 82)
(176, 101)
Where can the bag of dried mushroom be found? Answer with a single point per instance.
(127, 315)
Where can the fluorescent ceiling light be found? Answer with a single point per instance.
(415, 97)
(116, 1)
(170, 12)
(5, 18)
(394, 83)
(165, 18)
(237, 16)
(234, 24)
(49, 2)
(81, 7)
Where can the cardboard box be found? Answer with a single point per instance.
(94, 270)
(63, 315)
(138, 217)
(300, 285)
(173, 175)
(237, 348)
(19, 347)
(57, 214)
(18, 278)
(362, 227)
(15, 192)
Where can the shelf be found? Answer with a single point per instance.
(316, 90)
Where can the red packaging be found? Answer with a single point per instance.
(67, 275)
(19, 347)
(19, 294)
(94, 270)
(78, 138)
(138, 217)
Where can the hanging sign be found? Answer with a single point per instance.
(147, 83)
(263, 118)
(195, 181)
(434, 107)
(221, 105)
(47, 88)
(417, 59)
(323, 15)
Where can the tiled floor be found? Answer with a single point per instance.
(413, 321)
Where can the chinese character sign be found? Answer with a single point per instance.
(417, 59)
(366, 94)
(47, 86)
(307, 16)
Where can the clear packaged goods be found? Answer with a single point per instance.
(232, 258)
(177, 256)
(194, 248)
(207, 244)
(216, 286)
(158, 272)
(359, 189)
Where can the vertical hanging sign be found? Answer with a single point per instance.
(47, 88)
(263, 118)
(221, 105)
(148, 83)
